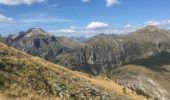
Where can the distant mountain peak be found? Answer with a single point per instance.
(32, 32)
(151, 27)
(35, 32)
(149, 33)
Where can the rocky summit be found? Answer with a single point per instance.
(103, 55)
(33, 32)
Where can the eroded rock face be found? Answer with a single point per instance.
(38, 43)
(103, 54)
(99, 54)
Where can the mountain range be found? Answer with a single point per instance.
(98, 54)
(137, 60)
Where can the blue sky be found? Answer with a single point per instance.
(82, 17)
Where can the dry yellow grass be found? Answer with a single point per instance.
(101, 82)
(131, 74)
(33, 63)
(160, 78)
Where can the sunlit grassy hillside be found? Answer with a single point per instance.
(144, 80)
(23, 76)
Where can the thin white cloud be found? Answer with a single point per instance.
(67, 31)
(18, 2)
(41, 18)
(5, 20)
(80, 31)
(128, 26)
(73, 27)
(44, 20)
(152, 22)
(85, 1)
(158, 23)
(165, 22)
(97, 25)
(90, 33)
(111, 2)
(61, 32)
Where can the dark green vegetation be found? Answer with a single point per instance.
(155, 62)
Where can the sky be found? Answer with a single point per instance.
(82, 17)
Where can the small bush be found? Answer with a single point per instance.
(2, 83)
(2, 65)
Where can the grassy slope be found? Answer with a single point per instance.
(23, 76)
(161, 78)
(129, 72)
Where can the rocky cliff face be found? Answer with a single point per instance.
(99, 54)
(106, 52)
(39, 43)
(148, 47)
